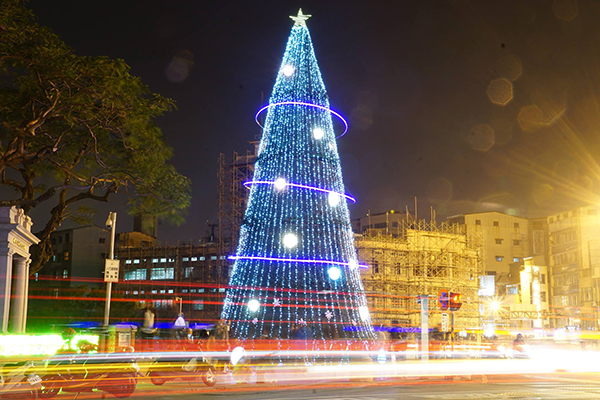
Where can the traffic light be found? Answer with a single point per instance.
(455, 301)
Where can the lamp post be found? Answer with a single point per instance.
(180, 300)
(111, 223)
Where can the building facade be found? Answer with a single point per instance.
(79, 257)
(422, 259)
(190, 278)
(575, 267)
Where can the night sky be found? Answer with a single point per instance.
(468, 105)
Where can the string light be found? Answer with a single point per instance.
(296, 259)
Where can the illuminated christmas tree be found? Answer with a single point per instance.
(296, 268)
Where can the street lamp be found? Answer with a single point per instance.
(180, 300)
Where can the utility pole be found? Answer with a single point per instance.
(109, 269)
(424, 327)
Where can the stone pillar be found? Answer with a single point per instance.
(6, 267)
(19, 309)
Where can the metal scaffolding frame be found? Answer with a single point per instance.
(422, 259)
(232, 173)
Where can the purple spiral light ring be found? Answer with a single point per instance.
(298, 260)
(301, 103)
(352, 199)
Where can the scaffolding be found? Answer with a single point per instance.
(422, 258)
(232, 173)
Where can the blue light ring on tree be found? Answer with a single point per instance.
(295, 260)
(297, 185)
(301, 103)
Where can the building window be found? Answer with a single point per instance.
(188, 272)
(516, 242)
(136, 261)
(65, 273)
(67, 237)
(499, 258)
(516, 225)
(223, 257)
(496, 223)
(66, 256)
(135, 292)
(162, 273)
(213, 257)
(477, 222)
(170, 290)
(185, 259)
(198, 305)
(194, 258)
(163, 260)
(54, 258)
(127, 261)
(516, 259)
(135, 275)
(184, 290)
(499, 241)
(202, 258)
(53, 240)
(512, 290)
(543, 279)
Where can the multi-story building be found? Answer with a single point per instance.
(575, 267)
(79, 255)
(508, 239)
(422, 259)
(189, 278)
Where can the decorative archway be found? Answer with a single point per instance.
(15, 241)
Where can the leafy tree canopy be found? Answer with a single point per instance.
(76, 128)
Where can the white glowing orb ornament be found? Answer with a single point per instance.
(318, 133)
(288, 70)
(280, 184)
(363, 311)
(253, 305)
(352, 264)
(334, 273)
(334, 199)
(290, 240)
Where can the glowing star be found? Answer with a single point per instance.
(288, 70)
(302, 322)
(276, 302)
(280, 184)
(290, 240)
(333, 198)
(318, 133)
(300, 19)
(255, 321)
(334, 273)
(328, 315)
(253, 305)
(354, 322)
(363, 311)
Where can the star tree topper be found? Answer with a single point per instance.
(300, 19)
